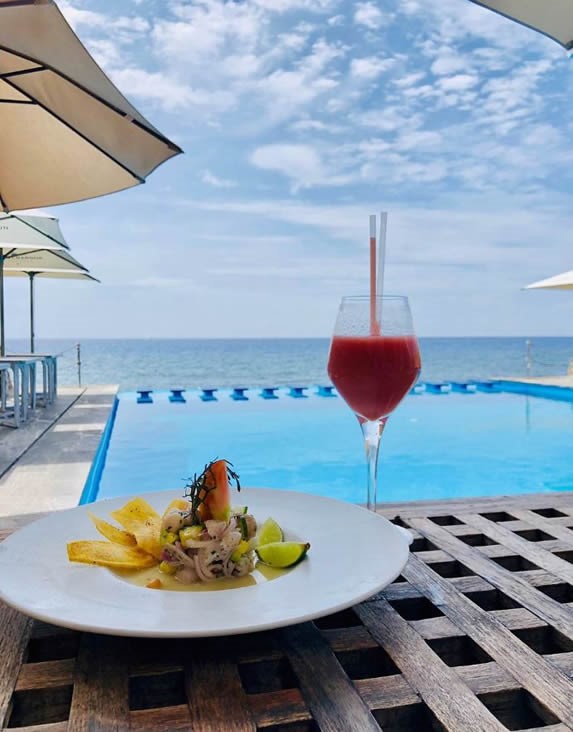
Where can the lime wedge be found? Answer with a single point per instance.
(282, 554)
(269, 532)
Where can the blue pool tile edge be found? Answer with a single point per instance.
(91, 486)
(544, 391)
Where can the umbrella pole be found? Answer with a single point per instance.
(2, 338)
(31, 276)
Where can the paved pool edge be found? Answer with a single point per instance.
(52, 473)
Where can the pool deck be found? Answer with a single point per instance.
(45, 463)
(565, 381)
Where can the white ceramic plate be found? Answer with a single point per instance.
(354, 554)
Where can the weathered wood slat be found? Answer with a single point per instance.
(552, 687)
(387, 692)
(100, 697)
(516, 587)
(494, 550)
(349, 639)
(427, 674)
(549, 526)
(514, 619)
(328, 692)
(14, 633)
(209, 667)
(173, 718)
(46, 674)
(55, 727)
(286, 706)
(562, 500)
(530, 550)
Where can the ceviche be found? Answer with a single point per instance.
(202, 537)
(199, 538)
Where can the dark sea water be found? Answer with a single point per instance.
(253, 362)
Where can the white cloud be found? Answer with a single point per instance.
(336, 20)
(369, 67)
(161, 88)
(213, 180)
(407, 80)
(448, 61)
(368, 14)
(460, 82)
(300, 163)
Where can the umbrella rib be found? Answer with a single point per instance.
(63, 258)
(15, 3)
(40, 231)
(46, 67)
(22, 72)
(77, 132)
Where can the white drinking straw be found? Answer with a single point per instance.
(381, 259)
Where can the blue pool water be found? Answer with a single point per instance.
(434, 446)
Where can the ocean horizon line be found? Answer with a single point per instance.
(273, 338)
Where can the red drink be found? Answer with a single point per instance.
(373, 373)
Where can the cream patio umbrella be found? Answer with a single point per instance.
(48, 263)
(563, 281)
(22, 234)
(553, 18)
(67, 133)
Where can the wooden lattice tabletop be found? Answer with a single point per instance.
(477, 634)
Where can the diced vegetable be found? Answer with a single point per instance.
(168, 537)
(241, 549)
(190, 533)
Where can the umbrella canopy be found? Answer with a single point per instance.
(45, 263)
(67, 132)
(553, 18)
(563, 281)
(21, 235)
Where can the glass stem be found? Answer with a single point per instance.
(372, 432)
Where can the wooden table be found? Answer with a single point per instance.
(477, 634)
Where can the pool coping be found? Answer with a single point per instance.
(91, 486)
(51, 473)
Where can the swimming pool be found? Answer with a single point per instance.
(435, 445)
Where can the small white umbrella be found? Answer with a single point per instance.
(563, 281)
(66, 132)
(553, 18)
(45, 263)
(24, 234)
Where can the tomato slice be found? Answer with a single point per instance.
(217, 503)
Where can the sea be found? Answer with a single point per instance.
(191, 363)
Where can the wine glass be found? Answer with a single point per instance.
(374, 361)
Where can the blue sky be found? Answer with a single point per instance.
(298, 119)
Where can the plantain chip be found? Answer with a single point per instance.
(107, 554)
(177, 504)
(111, 532)
(138, 518)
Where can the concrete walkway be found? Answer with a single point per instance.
(51, 472)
